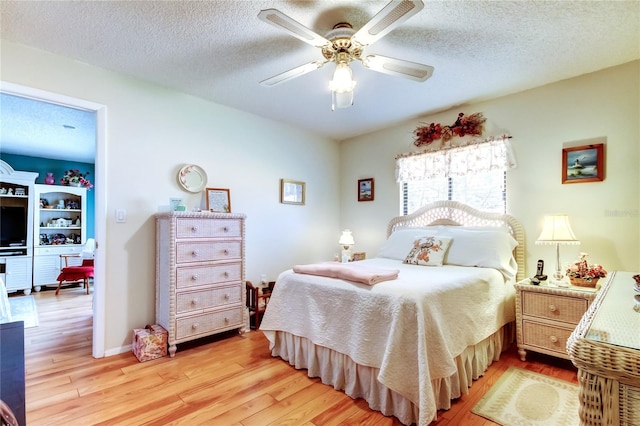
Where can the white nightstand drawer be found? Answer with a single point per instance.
(554, 307)
(545, 336)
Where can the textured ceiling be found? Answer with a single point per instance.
(220, 50)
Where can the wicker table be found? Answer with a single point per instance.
(605, 347)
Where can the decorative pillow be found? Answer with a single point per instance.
(483, 248)
(428, 251)
(400, 242)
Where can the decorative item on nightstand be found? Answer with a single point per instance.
(582, 274)
(557, 230)
(346, 240)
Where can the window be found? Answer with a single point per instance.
(474, 174)
(484, 191)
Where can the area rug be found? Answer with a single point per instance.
(524, 398)
(23, 308)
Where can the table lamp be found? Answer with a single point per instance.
(346, 240)
(557, 230)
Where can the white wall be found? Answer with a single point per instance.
(151, 133)
(604, 215)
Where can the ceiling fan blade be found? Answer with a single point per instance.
(293, 27)
(398, 67)
(293, 73)
(391, 16)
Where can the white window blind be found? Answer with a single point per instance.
(474, 174)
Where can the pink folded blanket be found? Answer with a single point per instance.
(349, 271)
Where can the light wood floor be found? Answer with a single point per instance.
(226, 381)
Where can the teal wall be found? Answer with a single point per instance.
(57, 167)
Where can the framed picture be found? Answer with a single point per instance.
(365, 189)
(361, 255)
(292, 192)
(583, 164)
(218, 200)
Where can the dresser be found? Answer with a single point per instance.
(547, 315)
(605, 347)
(200, 274)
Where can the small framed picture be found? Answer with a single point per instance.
(218, 200)
(292, 192)
(583, 164)
(361, 255)
(365, 189)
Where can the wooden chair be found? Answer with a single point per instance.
(83, 271)
(257, 300)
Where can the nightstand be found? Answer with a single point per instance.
(547, 315)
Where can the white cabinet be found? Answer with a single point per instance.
(200, 266)
(59, 228)
(16, 227)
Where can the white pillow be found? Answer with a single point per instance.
(483, 248)
(400, 242)
(428, 251)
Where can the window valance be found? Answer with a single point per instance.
(480, 155)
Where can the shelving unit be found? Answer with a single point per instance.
(59, 228)
(16, 219)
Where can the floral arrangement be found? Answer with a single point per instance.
(582, 270)
(471, 125)
(75, 178)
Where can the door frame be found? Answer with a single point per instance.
(100, 187)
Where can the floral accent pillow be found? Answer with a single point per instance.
(428, 251)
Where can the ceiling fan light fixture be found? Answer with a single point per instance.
(342, 79)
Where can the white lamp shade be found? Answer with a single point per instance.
(346, 239)
(557, 230)
(342, 79)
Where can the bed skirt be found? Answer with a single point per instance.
(357, 381)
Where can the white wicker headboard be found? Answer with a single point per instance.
(456, 213)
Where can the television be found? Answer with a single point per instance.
(13, 226)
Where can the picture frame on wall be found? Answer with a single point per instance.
(218, 200)
(365, 189)
(582, 164)
(292, 192)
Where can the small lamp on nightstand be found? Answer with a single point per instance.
(346, 240)
(557, 230)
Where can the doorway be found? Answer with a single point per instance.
(99, 296)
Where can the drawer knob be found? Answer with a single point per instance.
(194, 302)
(194, 253)
(225, 252)
(553, 339)
(194, 325)
(226, 320)
(194, 277)
(194, 229)
(552, 308)
(225, 229)
(226, 296)
(226, 275)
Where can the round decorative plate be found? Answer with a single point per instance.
(192, 178)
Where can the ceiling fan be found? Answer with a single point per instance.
(343, 45)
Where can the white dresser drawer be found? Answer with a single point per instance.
(210, 298)
(546, 336)
(206, 323)
(192, 276)
(188, 252)
(207, 228)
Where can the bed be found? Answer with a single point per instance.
(409, 345)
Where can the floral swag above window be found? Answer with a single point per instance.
(471, 125)
(478, 156)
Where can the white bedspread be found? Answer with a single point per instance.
(411, 328)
